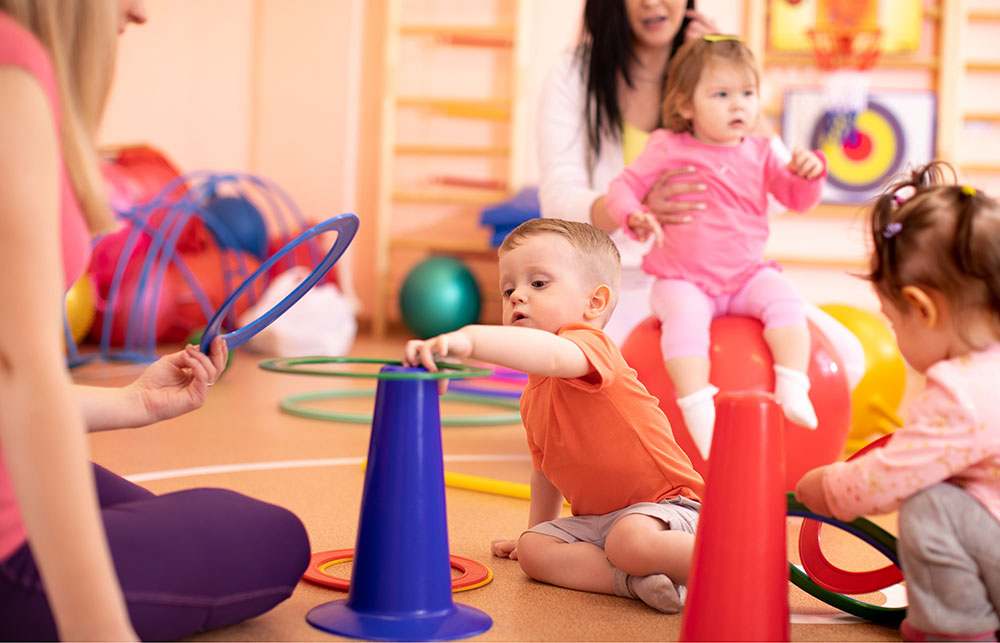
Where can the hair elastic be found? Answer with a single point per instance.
(891, 229)
(716, 37)
(968, 190)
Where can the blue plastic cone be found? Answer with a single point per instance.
(401, 578)
(738, 590)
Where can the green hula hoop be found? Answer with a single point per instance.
(295, 405)
(448, 370)
(871, 534)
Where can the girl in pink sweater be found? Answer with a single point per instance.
(712, 264)
(935, 267)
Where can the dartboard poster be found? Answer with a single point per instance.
(865, 150)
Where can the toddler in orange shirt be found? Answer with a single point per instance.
(596, 436)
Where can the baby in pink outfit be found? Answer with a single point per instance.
(935, 267)
(712, 264)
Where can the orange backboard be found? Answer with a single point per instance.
(899, 22)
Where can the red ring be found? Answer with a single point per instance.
(471, 574)
(829, 576)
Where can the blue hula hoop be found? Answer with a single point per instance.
(345, 224)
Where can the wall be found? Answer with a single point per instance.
(291, 89)
(183, 83)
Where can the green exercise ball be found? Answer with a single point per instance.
(438, 296)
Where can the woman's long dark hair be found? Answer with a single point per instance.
(606, 51)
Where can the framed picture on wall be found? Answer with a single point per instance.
(896, 130)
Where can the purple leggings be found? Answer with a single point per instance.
(187, 561)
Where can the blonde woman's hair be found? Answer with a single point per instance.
(81, 37)
(598, 254)
(687, 66)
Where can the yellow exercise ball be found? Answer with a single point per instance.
(80, 307)
(877, 396)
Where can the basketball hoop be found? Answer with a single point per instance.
(845, 54)
(845, 47)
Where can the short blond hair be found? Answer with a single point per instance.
(81, 38)
(599, 258)
(686, 68)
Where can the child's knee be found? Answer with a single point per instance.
(531, 553)
(628, 545)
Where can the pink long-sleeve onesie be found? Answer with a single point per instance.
(952, 434)
(723, 246)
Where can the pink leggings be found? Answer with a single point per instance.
(686, 311)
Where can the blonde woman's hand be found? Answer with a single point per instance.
(662, 199)
(178, 382)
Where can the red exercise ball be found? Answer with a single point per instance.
(159, 312)
(742, 361)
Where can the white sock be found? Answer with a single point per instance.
(698, 410)
(791, 387)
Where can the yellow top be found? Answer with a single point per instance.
(633, 140)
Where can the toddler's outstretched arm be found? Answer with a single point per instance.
(529, 350)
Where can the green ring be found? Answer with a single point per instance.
(888, 616)
(293, 405)
(288, 364)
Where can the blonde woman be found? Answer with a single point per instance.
(84, 554)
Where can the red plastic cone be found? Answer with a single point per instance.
(738, 590)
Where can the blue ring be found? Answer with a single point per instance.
(345, 224)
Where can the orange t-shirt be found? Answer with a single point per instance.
(602, 439)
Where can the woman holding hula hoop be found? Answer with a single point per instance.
(108, 560)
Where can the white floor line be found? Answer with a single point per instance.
(895, 595)
(301, 464)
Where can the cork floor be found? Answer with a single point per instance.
(242, 441)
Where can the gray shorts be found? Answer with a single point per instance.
(676, 513)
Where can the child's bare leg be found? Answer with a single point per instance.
(641, 545)
(578, 565)
(585, 567)
(790, 349)
(689, 373)
(695, 398)
(651, 562)
(789, 346)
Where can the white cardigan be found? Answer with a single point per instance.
(571, 178)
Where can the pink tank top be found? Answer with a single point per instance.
(19, 48)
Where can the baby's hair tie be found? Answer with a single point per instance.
(716, 37)
(891, 229)
(968, 190)
(898, 199)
